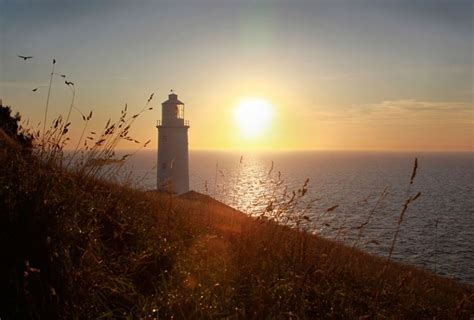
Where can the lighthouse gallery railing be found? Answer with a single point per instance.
(159, 123)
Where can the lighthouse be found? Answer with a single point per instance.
(172, 166)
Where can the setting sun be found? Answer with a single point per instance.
(253, 116)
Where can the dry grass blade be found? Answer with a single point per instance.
(404, 209)
(151, 97)
(413, 174)
(271, 169)
(47, 104)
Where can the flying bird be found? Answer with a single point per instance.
(35, 89)
(25, 57)
(69, 83)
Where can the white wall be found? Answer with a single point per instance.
(173, 166)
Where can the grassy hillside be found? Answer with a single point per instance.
(74, 246)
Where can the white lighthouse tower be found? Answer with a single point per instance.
(173, 172)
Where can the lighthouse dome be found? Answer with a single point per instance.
(173, 99)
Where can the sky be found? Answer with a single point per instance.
(338, 75)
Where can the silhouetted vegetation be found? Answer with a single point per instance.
(10, 132)
(76, 246)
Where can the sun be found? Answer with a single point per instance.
(253, 116)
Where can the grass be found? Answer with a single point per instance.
(74, 245)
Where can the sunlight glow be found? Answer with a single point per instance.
(253, 116)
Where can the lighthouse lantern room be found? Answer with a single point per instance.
(172, 167)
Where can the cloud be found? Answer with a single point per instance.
(417, 106)
(408, 111)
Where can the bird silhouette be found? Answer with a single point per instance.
(69, 83)
(25, 57)
(35, 89)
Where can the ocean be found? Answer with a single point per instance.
(437, 231)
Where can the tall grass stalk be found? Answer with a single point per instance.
(73, 91)
(406, 205)
(436, 246)
(215, 180)
(76, 149)
(371, 214)
(47, 102)
(237, 181)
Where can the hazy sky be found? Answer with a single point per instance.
(371, 75)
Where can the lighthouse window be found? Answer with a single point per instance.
(180, 111)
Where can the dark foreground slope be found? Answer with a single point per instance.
(76, 247)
